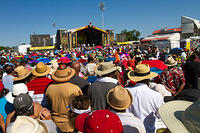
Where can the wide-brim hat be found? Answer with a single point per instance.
(119, 98)
(63, 75)
(142, 72)
(22, 73)
(171, 114)
(170, 61)
(24, 124)
(18, 89)
(41, 70)
(106, 68)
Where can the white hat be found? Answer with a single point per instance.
(181, 116)
(25, 124)
(18, 89)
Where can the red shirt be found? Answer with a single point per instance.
(39, 85)
(172, 78)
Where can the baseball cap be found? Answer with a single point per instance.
(23, 104)
(99, 121)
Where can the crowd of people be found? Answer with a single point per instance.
(100, 90)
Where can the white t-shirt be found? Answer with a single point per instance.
(146, 103)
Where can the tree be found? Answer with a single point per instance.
(132, 35)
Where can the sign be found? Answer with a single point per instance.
(42, 48)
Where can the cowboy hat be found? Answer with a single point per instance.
(63, 75)
(22, 73)
(25, 124)
(106, 68)
(142, 72)
(41, 70)
(119, 98)
(18, 89)
(181, 116)
(170, 61)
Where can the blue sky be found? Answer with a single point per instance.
(20, 18)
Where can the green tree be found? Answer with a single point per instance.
(132, 35)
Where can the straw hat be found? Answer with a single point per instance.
(106, 68)
(142, 72)
(18, 89)
(170, 62)
(41, 70)
(25, 124)
(181, 116)
(22, 73)
(119, 98)
(63, 75)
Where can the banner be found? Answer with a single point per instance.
(42, 48)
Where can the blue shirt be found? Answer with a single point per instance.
(7, 81)
(5, 108)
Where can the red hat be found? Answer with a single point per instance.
(99, 121)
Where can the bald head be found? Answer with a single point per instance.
(77, 67)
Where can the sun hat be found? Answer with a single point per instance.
(181, 116)
(99, 121)
(142, 72)
(18, 89)
(41, 70)
(23, 105)
(170, 61)
(63, 74)
(22, 73)
(25, 124)
(119, 98)
(106, 68)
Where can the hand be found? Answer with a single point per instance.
(45, 114)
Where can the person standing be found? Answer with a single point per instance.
(40, 82)
(173, 78)
(119, 99)
(7, 79)
(58, 95)
(107, 80)
(145, 100)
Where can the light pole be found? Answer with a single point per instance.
(101, 6)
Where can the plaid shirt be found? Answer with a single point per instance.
(172, 78)
(39, 85)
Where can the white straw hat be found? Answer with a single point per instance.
(181, 116)
(25, 124)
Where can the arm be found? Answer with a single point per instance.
(180, 89)
(167, 88)
(9, 118)
(2, 124)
